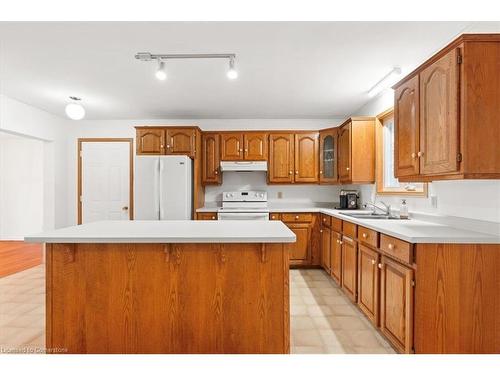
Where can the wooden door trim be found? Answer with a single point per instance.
(80, 141)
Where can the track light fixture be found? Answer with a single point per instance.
(161, 73)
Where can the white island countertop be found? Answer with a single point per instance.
(184, 231)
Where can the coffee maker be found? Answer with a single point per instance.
(348, 199)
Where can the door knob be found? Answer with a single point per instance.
(125, 208)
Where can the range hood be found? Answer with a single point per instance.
(243, 166)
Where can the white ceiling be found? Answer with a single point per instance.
(286, 70)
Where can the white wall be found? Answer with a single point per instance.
(475, 199)
(125, 129)
(21, 187)
(22, 119)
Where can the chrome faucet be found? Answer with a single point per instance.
(386, 209)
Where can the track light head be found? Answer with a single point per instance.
(161, 73)
(232, 73)
(74, 110)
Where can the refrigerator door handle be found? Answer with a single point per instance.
(157, 187)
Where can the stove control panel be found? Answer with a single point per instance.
(244, 196)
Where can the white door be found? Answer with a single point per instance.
(105, 181)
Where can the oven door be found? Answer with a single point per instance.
(243, 215)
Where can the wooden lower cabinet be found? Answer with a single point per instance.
(396, 304)
(299, 250)
(368, 282)
(206, 216)
(326, 238)
(336, 257)
(349, 267)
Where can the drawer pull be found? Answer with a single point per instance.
(373, 261)
(321, 231)
(380, 265)
(340, 242)
(391, 246)
(297, 217)
(213, 217)
(365, 235)
(290, 172)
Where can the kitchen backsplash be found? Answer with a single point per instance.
(257, 181)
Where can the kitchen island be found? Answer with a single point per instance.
(168, 287)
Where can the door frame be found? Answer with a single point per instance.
(79, 167)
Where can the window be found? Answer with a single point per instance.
(387, 184)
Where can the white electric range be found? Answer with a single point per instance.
(244, 205)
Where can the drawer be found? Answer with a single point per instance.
(206, 215)
(396, 248)
(274, 216)
(336, 224)
(349, 229)
(368, 236)
(297, 218)
(326, 220)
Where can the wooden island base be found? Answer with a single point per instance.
(168, 298)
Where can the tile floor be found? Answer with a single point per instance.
(322, 318)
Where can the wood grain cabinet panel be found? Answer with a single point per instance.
(306, 157)
(297, 217)
(180, 141)
(256, 147)
(349, 267)
(336, 257)
(206, 216)
(232, 146)
(407, 118)
(326, 237)
(300, 250)
(281, 158)
(439, 116)
(396, 304)
(211, 159)
(150, 141)
(344, 153)
(368, 283)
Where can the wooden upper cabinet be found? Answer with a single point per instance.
(306, 157)
(211, 159)
(328, 156)
(281, 160)
(344, 153)
(368, 283)
(232, 146)
(439, 131)
(150, 141)
(255, 146)
(407, 123)
(396, 304)
(181, 141)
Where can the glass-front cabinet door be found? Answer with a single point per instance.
(328, 156)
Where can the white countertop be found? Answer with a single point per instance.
(413, 230)
(170, 232)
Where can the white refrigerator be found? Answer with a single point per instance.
(163, 188)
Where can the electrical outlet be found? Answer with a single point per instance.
(280, 194)
(434, 201)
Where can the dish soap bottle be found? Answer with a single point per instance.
(403, 210)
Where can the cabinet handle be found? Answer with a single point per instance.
(246, 150)
(340, 242)
(365, 235)
(290, 172)
(216, 172)
(320, 172)
(168, 146)
(273, 217)
(391, 246)
(413, 155)
(241, 150)
(373, 261)
(347, 168)
(420, 154)
(297, 217)
(161, 146)
(380, 265)
(213, 217)
(321, 231)
(296, 172)
(324, 220)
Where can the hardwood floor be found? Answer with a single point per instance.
(16, 256)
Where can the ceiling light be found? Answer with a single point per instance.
(232, 73)
(161, 74)
(389, 79)
(75, 110)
